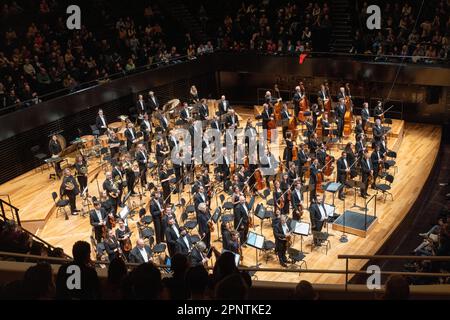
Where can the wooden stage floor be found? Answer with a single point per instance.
(417, 146)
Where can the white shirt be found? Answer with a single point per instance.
(154, 100)
(187, 243)
(132, 134)
(368, 164)
(285, 229)
(298, 194)
(145, 157)
(99, 215)
(323, 213)
(203, 197)
(165, 120)
(142, 104)
(147, 124)
(245, 208)
(144, 254)
(346, 165)
(103, 120)
(159, 205)
(175, 229)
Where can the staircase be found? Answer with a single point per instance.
(180, 13)
(341, 36)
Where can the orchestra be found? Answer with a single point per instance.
(306, 164)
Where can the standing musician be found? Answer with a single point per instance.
(340, 114)
(152, 102)
(55, 150)
(185, 114)
(317, 215)
(269, 163)
(105, 202)
(216, 124)
(172, 140)
(343, 167)
(323, 94)
(292, 173)
(266, 116)
(315, 112)
(250, 135)
(178, 167)
(351, 159)
(199, 198)
(194, 94)
(367, 171)
(359, 146)
(119, 178)
(163, 122)
(298, 96)
(69, 187)
(142, 159)
(112, 245)
(113, 190)
(184, 242)
(378, 111)
(129, 173)
(310, 127)
(325, 125)
(81, 172)
(297, 201)
(204, 221)
(281, 231)
(172, 234)
(224, 167)
(114, 144)
(141, 106)
(359, 127)
(321, 154)
(123, 234)
(168, 214)
(161, 151)
(100, 122)
(303, 157)
(146, 129)
(198, 254)
(224, 105)
(130, 134)
(365, 116)
(286, 117)
(241, 218)
(141, 253)
(233, 244)
(164, 179)
(203, 111)
(270, 100)
(288, 151)
(226, 230)
(232, 119)
(377, 131)
(98, 218)
(313, 171)
(341, 94)
(377, 161)
(313, 143)
(156, 209)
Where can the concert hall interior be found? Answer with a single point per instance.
(262, 150)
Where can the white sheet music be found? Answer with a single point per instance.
(302, 228)
(329, 210)
(259, 243)
(124, 212)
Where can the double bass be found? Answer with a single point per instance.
(348, 112)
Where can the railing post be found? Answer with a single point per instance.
(346, 274)
(17, 217)
(3, 209)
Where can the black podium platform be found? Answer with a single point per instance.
(355, 223)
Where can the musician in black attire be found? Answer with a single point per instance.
(172, 234)
(377, 131)
(66, 190)
(164, 178)
(112, 245)
(224, 105)
(141, 253)
(359, 146)
(119, 178)
(200, 197)
(112, 189)
(203, 228)
(178, 167)
(100, 122)
(317, 214)
(367, 170)
(184, 242)
(377, 162)
(232, 119)
(226, 234)
(55, 150)
(146, 128)
(216, 124)
(343, 167)
(310, 128)
(185, 114)
(315, 112)
(378, 111)
(351, 158)
(288, 153)
(321, 155)
(114, 144)
(81, 172)
(340, 114)
(168, 214)
(233, 244)
(142, 159)
(302, 159)
(297, 201)
(325, 125)
(292, 174)
(358, 127)
(130, 175)
(296, 100)
(161, 151)
(266, 116)
(224, 167)
(122, 234)
(98, 218)
(130, 134)
(241, 219)
(156, 208)
(203, 110)
(313, 143)
(141, 106)
(152, 102)
(314, 170)
(285, 116)
(365, 116)
(280, 231)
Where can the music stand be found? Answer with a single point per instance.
(333, 187)
(256, 241)
(123, 214)
(302, 229)
(125, 199)
(85, 202)
(215, 218)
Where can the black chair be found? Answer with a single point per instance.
(188, 224)
(61, 205)
(268, 249)
(297, 256)
(159, 248)
(105, 157)
(190, 209)
(146, 233)
(385, 187)
(40, 158)
(320, 239)
(390, 161)
(195, 238)
(95, 131)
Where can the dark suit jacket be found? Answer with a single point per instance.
(171, 239)
(196, 258)
(313, 174)
(365, 115)
(377, 132)
(136, 256)
(184, 114)
(230, 120)
(154, 209)
(315, 216)
(203, 112)
(340, 112)
(144, 129)
(365, 168)
(374, 158)
(341, 173)
(108, 186)
(94, 219)
(216, 125)
(295, 199)
(181, 246)
(152, 105)
(129, 136)
(203, 223)
(99, 123)
(222, 108)
(141, 108)
(54, 147)
(239, 213)
(163, 123)
(140, 158)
